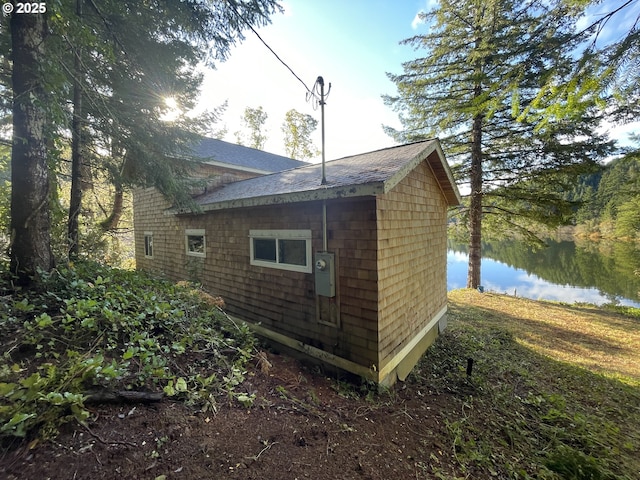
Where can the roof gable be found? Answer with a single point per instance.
(369, 173)
(219, 152)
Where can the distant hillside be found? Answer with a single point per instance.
(609, 200)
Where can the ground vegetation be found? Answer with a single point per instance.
(514, 388)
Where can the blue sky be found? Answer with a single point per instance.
(352, 44)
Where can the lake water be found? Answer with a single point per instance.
(587, 272)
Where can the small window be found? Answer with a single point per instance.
(292, 252)
(264, 249)
(196, 243)
(283, 249)
(148, 244)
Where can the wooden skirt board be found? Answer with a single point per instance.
(397, 368)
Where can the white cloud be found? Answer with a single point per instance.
(429, 6)
(458, 257)
(417, 20)
(621, 131)
(622, 21)
(528, 285)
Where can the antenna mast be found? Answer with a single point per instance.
(320, 98)
(320, 82)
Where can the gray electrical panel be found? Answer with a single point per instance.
(325, 274)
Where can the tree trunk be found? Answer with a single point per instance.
(30, 209)
(111, 223)
(75, 201)
(475, 208)
(123, 396)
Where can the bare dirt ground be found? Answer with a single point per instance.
(301, 425)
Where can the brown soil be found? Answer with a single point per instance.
(301, 425)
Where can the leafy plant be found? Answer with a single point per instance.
(91, 328)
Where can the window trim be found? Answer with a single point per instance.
(195, 232)
(148, 235)
(282, 235)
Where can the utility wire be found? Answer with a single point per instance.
(309, 91)
(317, 93)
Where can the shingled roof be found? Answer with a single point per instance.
(219, 152)
(370, 173)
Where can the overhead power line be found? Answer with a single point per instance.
(318, 94)
(309, 92)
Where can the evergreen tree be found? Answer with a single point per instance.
(617, 195)
(30, 221)
(609, 62)
(77, 151)
(157, 48)
(628, 220)
(476, 85)
(5, 196)
(123, 58)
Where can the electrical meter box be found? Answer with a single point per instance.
(324, 266)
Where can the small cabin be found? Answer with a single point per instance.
(350, 271)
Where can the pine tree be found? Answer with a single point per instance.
(476, 85)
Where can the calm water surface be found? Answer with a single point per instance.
(564, 271)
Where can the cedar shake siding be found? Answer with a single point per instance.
(386, 215)
(412, 259)
(280, 300)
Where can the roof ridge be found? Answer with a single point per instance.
(384, 148)
(203, 138)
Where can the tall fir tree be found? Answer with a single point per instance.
(476, 86)
(608, 61)
(30, 249)
(157, 48)
(123, 59)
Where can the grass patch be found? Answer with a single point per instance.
(554, 391)
(602, 340)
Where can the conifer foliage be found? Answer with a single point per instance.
(111, 71)
(476, 85)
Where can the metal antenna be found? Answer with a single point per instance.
(320, 98)
(320, 81)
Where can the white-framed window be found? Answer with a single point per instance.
(283, 249)
(148, 244)
(195, 242)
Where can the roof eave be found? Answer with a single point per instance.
(441, 168)
(409, 166)
(232, 166)
(324, 193)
